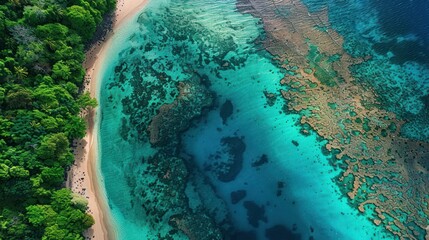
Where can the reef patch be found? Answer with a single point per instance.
(255, 213)
(280, 232)
(226, 111)
(237, 196)
(261, 161)
(227, 163)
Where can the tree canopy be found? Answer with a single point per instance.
(41, 53)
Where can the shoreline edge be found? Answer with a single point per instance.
(84, 177)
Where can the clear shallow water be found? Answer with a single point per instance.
(288, 183)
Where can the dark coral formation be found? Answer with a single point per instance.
(280, 232)
(244, 235)
(227, 163)
(383, 173)
(261, 161)
(280, 186)
(255, 213)
(237, 196)
(165, 177)
(226, 110)
(173, 118)
(296, 143)
(271, 98)
(196, 226)
(165, 196)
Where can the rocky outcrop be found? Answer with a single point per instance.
(174, 118)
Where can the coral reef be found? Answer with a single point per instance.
(159, 186)
(173, 118)
(261, 161)
(197, 226)
(271, 98)
(237, 196)
(255, 213)
(384, 174)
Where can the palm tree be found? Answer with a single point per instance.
(20, 72)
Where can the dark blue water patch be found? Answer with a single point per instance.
(400, 26)
(280, 232)
(227, 163)
(411, 17)
(271, 98)
(425, 101)
(250, 235)
(226, 110)
(402, 17)
(255, 213)
(260, 161)
(237, 196)
(403, 51)
(296, 143)
(280, 186)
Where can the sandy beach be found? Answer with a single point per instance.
(83, 175)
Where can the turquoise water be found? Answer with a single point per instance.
(195, 139)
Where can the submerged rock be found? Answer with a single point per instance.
(280, 186)
(196, 226)
(280, 232)
(174, 118)
(226, 111)
(237, 196)
(255, 213)
(261, 161)
(244, 236)
(271, 98)
(227, 164)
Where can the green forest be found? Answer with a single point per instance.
(42, 46)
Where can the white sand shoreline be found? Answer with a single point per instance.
(83, 177)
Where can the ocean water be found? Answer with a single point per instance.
(197, 140)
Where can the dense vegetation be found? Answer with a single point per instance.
(41, 54)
